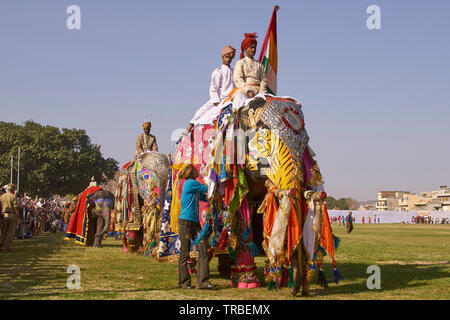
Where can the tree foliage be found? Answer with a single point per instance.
(341, 203)
(52, 161)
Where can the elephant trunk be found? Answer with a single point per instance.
(106, 218)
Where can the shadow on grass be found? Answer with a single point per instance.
(23, 269)
(28, 273)
(112, 245)
(392, 277)
(64, 293)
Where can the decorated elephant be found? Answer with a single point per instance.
(295, 226)
(266, 194)
(139, 196)
(91, 217)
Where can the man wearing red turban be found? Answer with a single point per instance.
(249, 76)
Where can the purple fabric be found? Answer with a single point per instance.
(213, 176)
(245, 211)
(308, 163)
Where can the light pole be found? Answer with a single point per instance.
(18, 170)
(12, 163)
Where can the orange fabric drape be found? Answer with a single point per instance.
(294, 230)
(327, 236)
(270, 213)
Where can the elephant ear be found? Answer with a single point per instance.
(284, 171)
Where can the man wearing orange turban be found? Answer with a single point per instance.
(249, 76)
(221, 86)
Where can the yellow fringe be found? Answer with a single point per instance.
(175, 207)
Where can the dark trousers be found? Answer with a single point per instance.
(187, 232)
(349, 227)
(8, 230)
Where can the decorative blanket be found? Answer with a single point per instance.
(194, 148)
(275, 146)
(78, 226)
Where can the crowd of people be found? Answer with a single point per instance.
(346, 221)
(429, 220)
(23, 217)
(340, 220)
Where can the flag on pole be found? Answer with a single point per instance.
(269, 55)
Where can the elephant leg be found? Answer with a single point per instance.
(125, 242)
(296, 268)
(305, 281)
(98, 236)
(224, 265)
(91, 231)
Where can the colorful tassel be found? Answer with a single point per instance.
(232, 253)
(153, 244)
(321, 249)
(336, 241)
(277, 283)
(337, 276)
(213, 242)
(321, 279)
(291, 277)
(254, 248)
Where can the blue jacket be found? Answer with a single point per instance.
(193, 192)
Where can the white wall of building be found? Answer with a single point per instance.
(387, 216)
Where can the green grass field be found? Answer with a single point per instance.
(414, 261)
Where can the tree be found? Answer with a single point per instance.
(52, 161)
(341, 204)
(353, 203)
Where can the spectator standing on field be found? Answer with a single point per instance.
(349, 221)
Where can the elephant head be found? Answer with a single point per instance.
(101, 204)
(140, 194)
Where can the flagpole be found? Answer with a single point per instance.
(18, 169)
(268, 55)
(12, 164)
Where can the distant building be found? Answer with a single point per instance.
(435, 200)
(443, 197)
(408, 201)
(390, 200)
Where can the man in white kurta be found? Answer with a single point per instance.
(221, 85)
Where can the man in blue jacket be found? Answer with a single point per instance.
(188, 227)
(349, 221)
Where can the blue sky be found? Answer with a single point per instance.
(376, 102)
